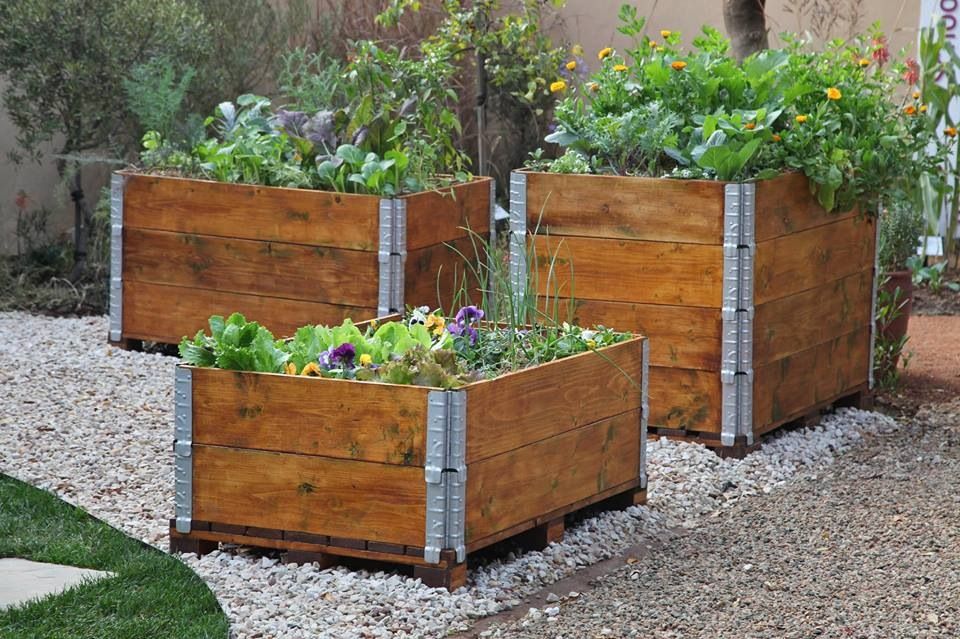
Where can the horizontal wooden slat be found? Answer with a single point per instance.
(519, 408)
(335, 497)
(795, 323)
(787, 388)
(685, 399)
(203, 207)
(793, 263)
(292, 271)
(680, 336)
(629, 271)
(163, 313)
(524, 483)
(335, 418)
(433, 276)
(439, 216)
(604, 206)
(785, 206)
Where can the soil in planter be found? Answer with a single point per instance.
(925, 302)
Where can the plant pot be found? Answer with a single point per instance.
(185, 249)
(405, 474)
(757, 301)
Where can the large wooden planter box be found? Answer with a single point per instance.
(185, 249)
(406, 474)
(756, 301)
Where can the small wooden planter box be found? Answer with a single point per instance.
(185, 249)
(405, 474)
(757, 302)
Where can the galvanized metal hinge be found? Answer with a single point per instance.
(392, 255)
(183, 448)
(117, 186)
(736, 372)
(445, 473)
(644, 410)
(873, 313)
(518, 233)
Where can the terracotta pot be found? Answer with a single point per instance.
(898, 327)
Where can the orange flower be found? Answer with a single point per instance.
(605, 53)
(950, 132)
(311, 369)
(776, 137)
(833, 93)
(571, 65)
(620, 67)
(750, 126)
(801, 119)
(863, 62)
(910, 110)
(678, 65)
(290, 368)
(594, 87)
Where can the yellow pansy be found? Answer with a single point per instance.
(366, 359)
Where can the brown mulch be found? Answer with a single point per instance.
(932, 374)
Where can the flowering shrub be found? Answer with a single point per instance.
(423, 349)
(655, 110)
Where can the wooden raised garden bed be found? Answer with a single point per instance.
(185, 249)
(405, 474)
(757, 301)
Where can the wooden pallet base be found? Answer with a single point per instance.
(128, 344)
(298, 547)
(861, 397)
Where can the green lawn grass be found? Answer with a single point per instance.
(152, 594)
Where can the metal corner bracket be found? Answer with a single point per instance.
(183, 448)
(518, 233)
(644, 409)
(392, 256)
(736, 371)
(445, 473)
(118, 184)
(873, 307)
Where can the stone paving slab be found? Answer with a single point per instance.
(22, 580)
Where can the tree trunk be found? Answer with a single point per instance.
(81, 228)
(747, 26)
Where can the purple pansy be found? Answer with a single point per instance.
(462, 325)
(340, 357)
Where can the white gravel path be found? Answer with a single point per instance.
(94, 425)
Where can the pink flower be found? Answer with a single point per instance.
(880, 51)
(912, 75)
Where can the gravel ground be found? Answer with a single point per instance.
(94, 425)
(870, 548)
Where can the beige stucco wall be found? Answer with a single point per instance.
(591, 23)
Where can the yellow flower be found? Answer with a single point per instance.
(366, 359)
(591, 344)
(577, 50)
(833, 93)
(619, 67)
(594, 87)
(776, 137)
(923, 108)
(311, 369)
(435, 322)
(750, 126)
(801, 119)
(606, 52)
(571, 65)
(665, 33)
(910, 110)
(678, 65)
(558, 86)
(863, 62)
(916, 95)
(290, 368)
(660, 49)
(653, 44)
(950, 132)
(373, 324)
